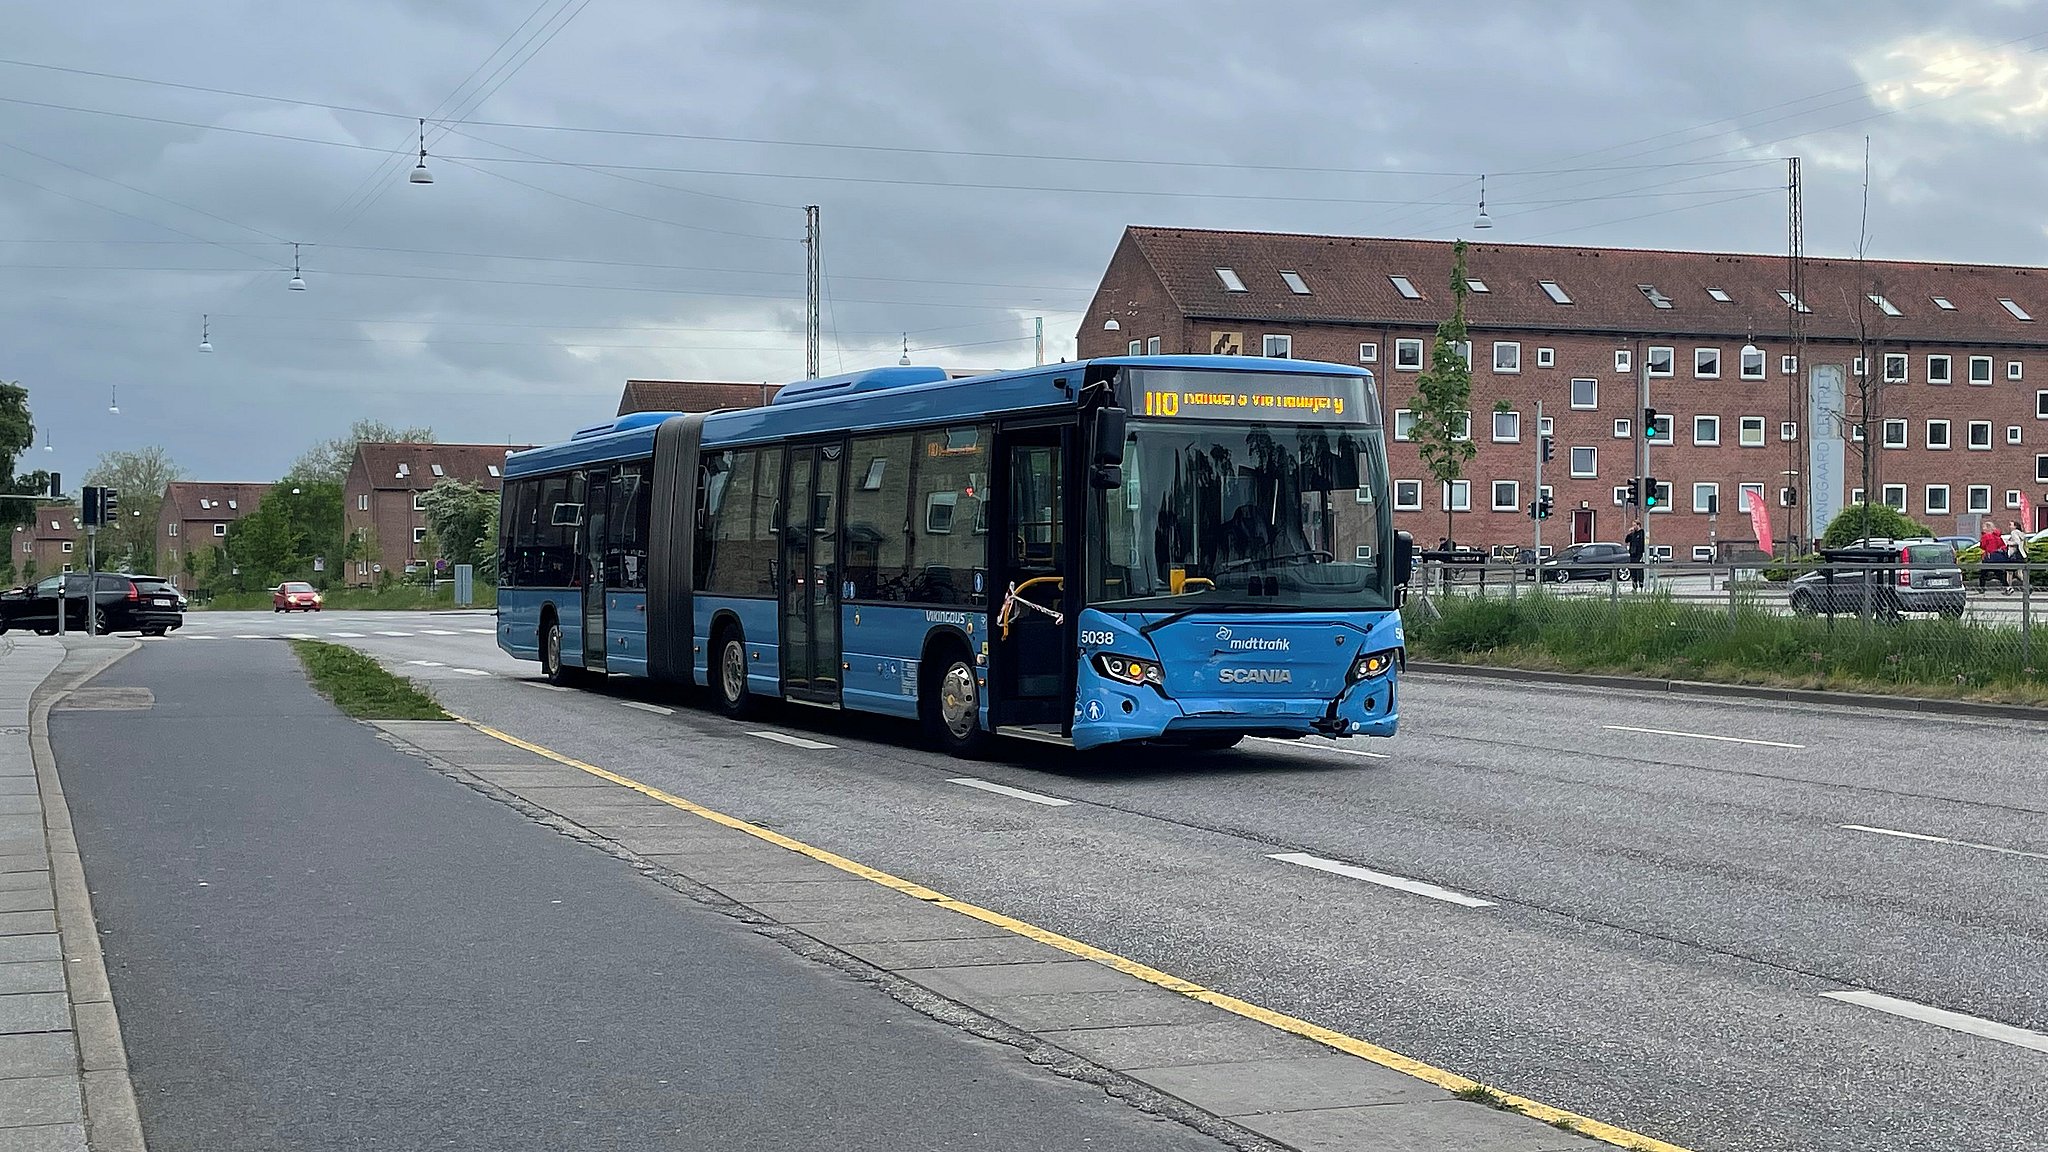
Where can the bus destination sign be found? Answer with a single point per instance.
(1254, 396)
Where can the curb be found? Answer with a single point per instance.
(1922, 705)
(112, 1121)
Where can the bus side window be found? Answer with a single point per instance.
(717, 471)
(949, 543)
(877, 551)
(742, 529)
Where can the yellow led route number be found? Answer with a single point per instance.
(1281, 405)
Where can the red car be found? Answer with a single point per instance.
(295, 596)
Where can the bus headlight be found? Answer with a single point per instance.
(1130, 669)
(1374, 664)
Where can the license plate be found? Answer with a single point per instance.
(166, 602)
(1940, 582)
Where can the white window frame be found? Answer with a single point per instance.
(1136, 348)
(68, 545)
(1855, 495)
(2013, 370)
(1750, 432)
(1623, 429)
(1151, 345)
(1788, 431)
(2041, 468)
(1940, 368)
(1621, 360)
(1574, 393)
(2012, 498)
(1702, 554)
(1507, 356)
(1856, 366)
(1232, 282)
(1788, 365)
(1701, 371)
(1902, 439)
(1887, 498)
(1902, 362)
(2014, 434)
(1414, 505)
(419, 534)
(362, 502)
(1404, 287)
(1927, 500)
(1983, 362)
(1665, 504)
(1466, 432)
(1555, 291)
(1620, 496)
(1705, 488)
(220, 529)
(1544, 426)
(1514, 493)
(1280, 340)
(1403, 435)
(1713, 437)
(1948, 438)
(172, 530)
(1978, 499)
(1572, 461)
(1970, 436)
(1457, 496)
(1514, 435)
(1670, 357)
(2041, 405)
(1762, 359)
(1665, 429)
(2012, 306)
(1464, 350)
(1294, 282)
(1546, 357)
(1368, 352)
(1402, 361)
(419, 501)
(1742, 492)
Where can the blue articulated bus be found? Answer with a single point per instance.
(1171, 549)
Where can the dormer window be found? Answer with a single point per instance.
(1295, 283)
(231, 504)
(404, 470)
(493, 469)
(1230, 281)
(437, 469)
(1656, 298)
(1557, 294)
(1719, 296)
(1477, 286)
(1405, 287)
(1944, 303)
(2018, 313)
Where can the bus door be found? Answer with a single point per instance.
(810, 574)
(1037, 571)
(596, 505)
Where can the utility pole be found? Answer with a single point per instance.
(1643, 455)
(1795, 283)
(1038, 330)
(811, 292)
(1541, 443)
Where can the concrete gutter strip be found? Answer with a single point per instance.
(1923, 705)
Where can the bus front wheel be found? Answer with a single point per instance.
(551, 666)
(952, 704)
(729, 674)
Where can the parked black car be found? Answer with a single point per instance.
(1587, 562)
(145, 604)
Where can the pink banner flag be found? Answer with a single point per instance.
(1758, 518)
(2026, 513)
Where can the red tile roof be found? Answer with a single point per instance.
(208, 500)
(57, 522)
(478, 464)
(1349, 282)
(692, 395)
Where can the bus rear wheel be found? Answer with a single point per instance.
(952, 704)
(551, 665)
(729, 674)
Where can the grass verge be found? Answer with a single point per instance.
(399, 598)
(1655, 636)
(360, 686)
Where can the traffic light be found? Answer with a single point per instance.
(1635, 492)
(1543, 508)
(89, 506)
(1650, 492)
(56, 485)
(1549, 447)
(1649, 423)
(110, 502)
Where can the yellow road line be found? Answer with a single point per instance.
(1364, 1050)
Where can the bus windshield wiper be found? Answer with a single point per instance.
(1184, 613)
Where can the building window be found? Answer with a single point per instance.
(1151, 345)
(362, 567)
(1507, 427)
(1662, 361)
(67, 547)
(1621, 428)
(1585, 462)
(1980, 436)
(1585, 393)
(1280, 347)
(1702, 554)
(1706, 498)
(1894, 433)
(1944, 303)
(1706, 363)
(1856, 366)
(1883, 305)
(1658, 300)
(2041, 469)
(1137, 347)
(419, 501)
(1753, 364)
(1788, 431)
(1557, 294)
(1980, 369)
(1463, 430)
(2012, 497)
(1231, 283)
(1663, 502)
(1507, 356)
(419, 535)
(1793, 302)
(1621, 360)
(1546, 357)
(1856, 433)
(1405, 287)
(363, 502)
(2041, 405)
(1294, 282)
(1937, 369)
(1855, 495)
(1408, 355)
(1742, 492)
(1543, 425)
(1407, 495)
(1980, 498)
(2018, 313)
(1894, 497)
(1464, 350)
(1706, 430)
(2012, 369)
(1937, 434)
(1788, 365)
(1404, 424)
(1937, 500)
(172, 530)
(1661, 432)
(2012, 434)
(1507, 495)
(1752, 432)
(1476, 286)
(1368, 352)
(1895, 367)
(1720, 296)
(1620, 497)
(220, 529)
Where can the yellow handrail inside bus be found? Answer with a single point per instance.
(1015, 596)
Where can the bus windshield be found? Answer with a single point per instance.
(1246, 515)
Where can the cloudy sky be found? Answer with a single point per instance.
(618, 184)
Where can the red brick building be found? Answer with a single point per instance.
(53, 542)
(193, 521)
(1956, 380)
(692, 395)
(383, 510)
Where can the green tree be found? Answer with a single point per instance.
(1443, 397)
(462, 522)
(328, 461)
(296, 523)
(140, 477)
(1870, 520)
(17, 435)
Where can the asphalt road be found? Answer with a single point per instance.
(316, 942)
(1671, 888)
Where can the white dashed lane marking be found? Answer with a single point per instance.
(427, 663)
(792, 741)
(1383, 879)
(657, 709)
(393, 633)
(1701, 736)
(481, 631)
(1943, 1018)
(1006, 790)
(346, 635)
(1320, 746)
(470, 671)
(437, 632)
(1922, 836)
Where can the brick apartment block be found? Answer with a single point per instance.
(53, 541)
(1958, 372)
(194, 519)
(383, 493)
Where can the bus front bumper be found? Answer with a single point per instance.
(1110, 713)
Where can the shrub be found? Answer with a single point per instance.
(1860, 520)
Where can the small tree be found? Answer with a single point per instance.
(1443, 398)
(462, 522)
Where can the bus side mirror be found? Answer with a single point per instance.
(1404, 558)
(1106, 448)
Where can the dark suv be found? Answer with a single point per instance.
(1586, 562)
(1889, 577)
(145, 604)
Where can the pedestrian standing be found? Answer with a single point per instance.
(1634, 540)
(1993, 545)
(2015, 553)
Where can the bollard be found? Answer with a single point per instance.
(2026, 614)
(1731, 597)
